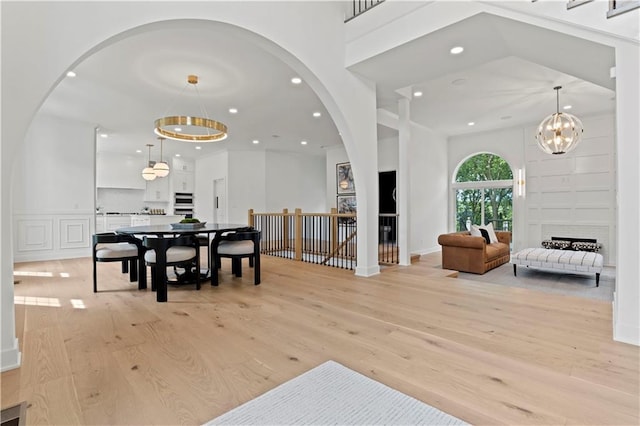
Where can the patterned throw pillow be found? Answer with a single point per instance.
(557, 244)
(585, 246)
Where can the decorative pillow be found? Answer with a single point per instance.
(475, 231)
(492, 234)
(585, 246)
(485, 234)
(557, 244)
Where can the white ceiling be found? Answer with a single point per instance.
(508, 69)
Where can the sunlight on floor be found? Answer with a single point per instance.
(47, 301)
(78, 304)
(37, 301)
(39, 274)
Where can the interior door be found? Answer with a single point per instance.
(219, 201)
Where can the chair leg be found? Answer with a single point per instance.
(154, 278)
(236, 266)
(95, 281)
(133, 270)
(125, 266)
(197, 272)
(256, 269)
(142, 274)
(161, 282)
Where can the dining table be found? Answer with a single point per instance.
(169, 230)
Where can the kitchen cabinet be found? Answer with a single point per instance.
(140, 220)
(183, 181)
(157, 190)
(115, 222)
(180, 164)
(118, 171)
(182, 175)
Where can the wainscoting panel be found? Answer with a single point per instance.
(35, 234)
(48, 236)
(75, 233)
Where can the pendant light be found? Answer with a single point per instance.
(560, 132)
(191, 128)
(161, 168)
(147, 172)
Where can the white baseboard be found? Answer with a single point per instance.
(10, 358)
(370, 271)
(627, 333)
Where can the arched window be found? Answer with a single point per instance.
(484, 192)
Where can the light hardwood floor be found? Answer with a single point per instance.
(487, 354)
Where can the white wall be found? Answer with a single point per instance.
(428, 189)
(570, 195)
(53, 191)
(295, 181)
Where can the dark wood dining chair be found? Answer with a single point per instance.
(182, 251)
(127, 249)
(236, 246)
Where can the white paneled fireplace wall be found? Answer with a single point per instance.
(569, 195)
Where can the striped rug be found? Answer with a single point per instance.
(332, 394)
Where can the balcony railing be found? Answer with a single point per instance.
(360, 6)
(323, 238)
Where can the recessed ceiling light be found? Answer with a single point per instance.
(256, 141)
(71, 74)
(457, 50)
(104, 135)
(303, 142)
(198, 147)
(296, 80)
(567, 107)
(471, 123)
(233, 110)
(177, 129)
(177, 155)
(317, 114)
(138, 151)
(417, 93)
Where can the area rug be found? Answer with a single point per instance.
(578, 285)
(332, 394)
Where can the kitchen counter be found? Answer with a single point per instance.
(112, 221)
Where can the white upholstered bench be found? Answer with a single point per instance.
(559, 260)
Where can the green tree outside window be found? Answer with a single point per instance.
(491, 203)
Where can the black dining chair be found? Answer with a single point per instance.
(112, 247)
(182, 251)
(236, 246)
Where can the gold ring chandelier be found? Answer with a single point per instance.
(189, 128)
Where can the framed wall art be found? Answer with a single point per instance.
(344, 179)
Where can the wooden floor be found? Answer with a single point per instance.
(484, 353)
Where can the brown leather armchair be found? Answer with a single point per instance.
(463, 252)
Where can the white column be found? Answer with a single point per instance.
(626, 314)
(402, 189)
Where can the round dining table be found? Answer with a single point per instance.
(161, 231)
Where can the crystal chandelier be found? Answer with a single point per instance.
(560, 132)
